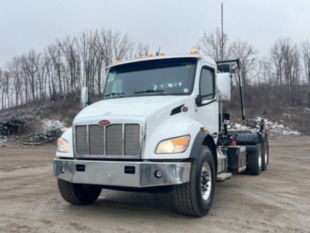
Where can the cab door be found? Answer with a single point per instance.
(208, 108)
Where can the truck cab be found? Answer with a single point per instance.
(159, 124)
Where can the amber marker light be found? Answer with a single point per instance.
(194, 52)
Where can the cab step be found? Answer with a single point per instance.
(223, 176)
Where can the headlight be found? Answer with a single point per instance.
(62, 145)
(173, 145)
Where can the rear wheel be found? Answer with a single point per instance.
(255, 160)
(195, 197)
(78, 194)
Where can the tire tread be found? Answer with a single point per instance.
(71, 193)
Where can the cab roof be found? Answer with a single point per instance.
(207, 59)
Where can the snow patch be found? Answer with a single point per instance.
(274, 128)
(48, 125)
(279, 129)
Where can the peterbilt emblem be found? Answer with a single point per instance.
(104, 122)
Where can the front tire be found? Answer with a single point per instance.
(195, 197)
(78, 194)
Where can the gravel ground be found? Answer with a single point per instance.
(276, 201)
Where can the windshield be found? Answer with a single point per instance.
(155, 77)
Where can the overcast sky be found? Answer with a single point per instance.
(174, 25)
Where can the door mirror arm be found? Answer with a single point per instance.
(198, 100)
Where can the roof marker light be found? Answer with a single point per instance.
(149, 54)
(138, 56)
(194, 52)
(161, 53)
(117, 61)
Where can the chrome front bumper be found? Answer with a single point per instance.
(122, 173)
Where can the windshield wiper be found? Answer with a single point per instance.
(114, 94)
(151, 91)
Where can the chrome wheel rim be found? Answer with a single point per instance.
(205, 181)
(260, 160)
(266, 157)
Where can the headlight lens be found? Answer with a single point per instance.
(62, 145)
(173, 145)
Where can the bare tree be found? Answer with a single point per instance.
(122, 45)
(14, 68)
(5, 84)
(2, 89)
(55, 53)
(264, 71)
(305, 50)
(88, 54)
(30, 67)
(72, 57)
(247, 55)
(286, 62)
(142, 49)
(211, 44)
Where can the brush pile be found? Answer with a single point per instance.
(11, 126)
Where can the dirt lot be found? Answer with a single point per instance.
(276, 201)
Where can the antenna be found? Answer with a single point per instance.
(222, 31)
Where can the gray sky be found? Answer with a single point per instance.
(174, 25)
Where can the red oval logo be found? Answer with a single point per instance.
(104, 122)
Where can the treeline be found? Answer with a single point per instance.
(281, 78)
(283, 75)
(64, 66)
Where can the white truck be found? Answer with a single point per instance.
(160, 125)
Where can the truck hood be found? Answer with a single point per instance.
(141, 107)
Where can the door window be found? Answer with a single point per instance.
(207, 84)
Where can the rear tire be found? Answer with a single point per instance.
(265, 153)
(195, 197)
(78, 194)
(255, 160)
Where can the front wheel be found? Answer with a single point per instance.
(78, 194)
(195, 197)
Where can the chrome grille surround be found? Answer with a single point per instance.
(117, 140)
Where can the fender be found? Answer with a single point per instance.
(203, 138)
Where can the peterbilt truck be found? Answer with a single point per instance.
(160, 125)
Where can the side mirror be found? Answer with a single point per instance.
(84, 97)
(224, 86)
(198, 100)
